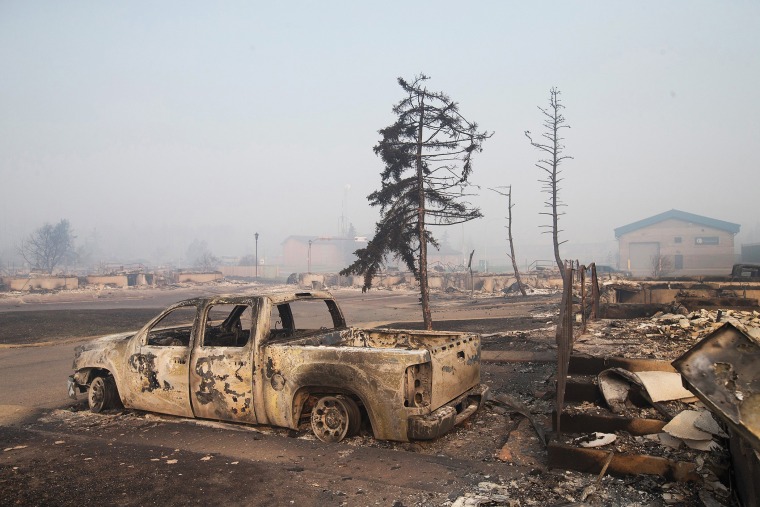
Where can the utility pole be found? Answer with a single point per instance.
(256, 235)
(309, 270)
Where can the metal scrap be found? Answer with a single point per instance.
(723, 371)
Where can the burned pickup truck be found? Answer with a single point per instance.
(284, 359)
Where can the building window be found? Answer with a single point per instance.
(707, 240)
(677, 239)
(678, 261)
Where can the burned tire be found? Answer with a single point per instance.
(354, 416)
(102, 394)
(332, 416)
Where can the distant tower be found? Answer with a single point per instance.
(343, 218)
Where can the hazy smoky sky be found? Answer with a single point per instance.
(151, 124)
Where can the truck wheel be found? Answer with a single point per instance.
(354, 416)
(331, 418)
(102, 394)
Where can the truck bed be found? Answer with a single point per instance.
(455, 356)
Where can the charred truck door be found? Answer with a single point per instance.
(158, 365)
(221, 367)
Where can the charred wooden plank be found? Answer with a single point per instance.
(592, 460)
(584, 423)
(592, 365)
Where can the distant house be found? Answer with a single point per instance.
(677, 243)
(319, 253)
(324, 254)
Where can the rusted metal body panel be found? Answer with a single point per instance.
(222, 375)
(292, 372)
(221, 384)
(412, 374)
(157, 380)
(106, 353)
(723, 371)
(455, 357)
(411, 384)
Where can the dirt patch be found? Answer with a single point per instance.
(42, 469)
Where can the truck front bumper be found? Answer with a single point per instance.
(71, 387)
(440, 421)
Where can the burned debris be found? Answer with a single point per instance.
(625, 409)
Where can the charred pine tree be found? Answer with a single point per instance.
(427, 154)
(552, 149)
(511, 254)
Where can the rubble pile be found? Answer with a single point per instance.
(566, 487)
(694, 429)
(691, 436)
(699, 323)
(664, 336)
(514, 290)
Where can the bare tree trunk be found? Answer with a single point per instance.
(511, 253)
(424, 291)
(555, 213)
(512, 244)
(553, 122)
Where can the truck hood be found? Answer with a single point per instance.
(99, 347)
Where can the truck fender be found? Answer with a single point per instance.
(302, 395)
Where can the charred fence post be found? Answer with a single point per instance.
(594, 293)
(582, 273)
(564, 337)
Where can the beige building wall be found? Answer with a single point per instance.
(702, 250)
(41, 282)
(199, 277)
(264, 271)
(111, 280)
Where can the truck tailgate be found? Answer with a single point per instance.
(454, 357)
(456, 367)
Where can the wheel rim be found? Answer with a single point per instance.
(97, 394)
(330, 419)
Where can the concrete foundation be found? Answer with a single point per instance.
(663, 293)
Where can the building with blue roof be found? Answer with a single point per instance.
(677, 243)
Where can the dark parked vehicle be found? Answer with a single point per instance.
(745, 271)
